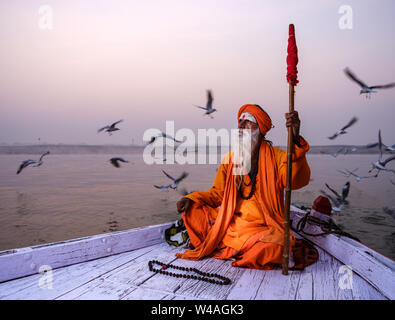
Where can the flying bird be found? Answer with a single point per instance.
(364, 87)
(348, 173)
(110, 128)
(162, 135)
(357, 177)
(337, 152)
(163, 188)
(115, 161)
(24, 164)
(371, 145)
(29, 162)
(380, 164)
(386, 148)
(341, 198)
(175, 183)
(338, 200)
(349, 149)
(40, 161)
(209, 106)
(389, 148)
(343, 130)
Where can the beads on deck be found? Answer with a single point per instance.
(205, 276)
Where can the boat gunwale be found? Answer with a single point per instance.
(372, 266)
(21, 262)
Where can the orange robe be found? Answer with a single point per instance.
(250, 230)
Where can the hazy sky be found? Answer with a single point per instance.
(149, 61)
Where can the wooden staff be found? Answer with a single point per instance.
(292, 61)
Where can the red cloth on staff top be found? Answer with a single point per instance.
(292, 57)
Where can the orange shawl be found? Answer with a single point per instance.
(271, 199)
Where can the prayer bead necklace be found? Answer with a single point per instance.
(253, 181)
(205, 276)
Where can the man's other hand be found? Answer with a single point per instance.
(184, 204)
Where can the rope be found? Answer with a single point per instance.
(327, 227)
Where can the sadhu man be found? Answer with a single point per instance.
(242, 216)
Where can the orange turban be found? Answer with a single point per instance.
(263, 119)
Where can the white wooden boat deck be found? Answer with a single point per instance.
(125, 276)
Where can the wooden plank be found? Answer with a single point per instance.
(100, 289)
(21, 262)
(65, 279)
(325, 276)
(129, 277)
(137, 272)
(133, 270)
(149, 294)
(276, 286)
(206, 290)
(247, 286)
(344, 284)
(177, 297)
(304, 289)
(145, 294)
(375, 268)
(271, 284)
(362, 290)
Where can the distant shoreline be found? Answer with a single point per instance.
(133, 149)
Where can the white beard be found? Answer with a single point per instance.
(242, 146)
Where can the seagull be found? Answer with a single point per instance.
(24, 165)
(389, 148)
(341, 198)
(357, 177)
(209, 106)
(29, 162)
(353, 149)
(380, 164)
(110, 128)
(337, 152)
(348, 173)
(40, 161)
(163, 188)
(365, 88)
(175, 183)
(342, 130)
(162, 135)
(371, 145)
(347, 150)
(115, 161)
(386, 148)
